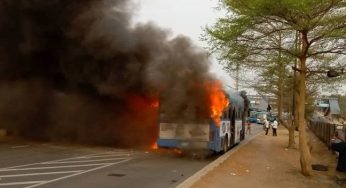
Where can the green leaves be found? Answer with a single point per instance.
(254, 30)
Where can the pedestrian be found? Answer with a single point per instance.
(274, 126)
(341, 148)
(266, 125)
(269, 108)
(336, 139)
(248, 127)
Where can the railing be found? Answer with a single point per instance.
(326, 131)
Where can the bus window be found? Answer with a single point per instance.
(230, 113)
(225, 114)
(240, 113)
(236, 114)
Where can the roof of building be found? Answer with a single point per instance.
(334, 106)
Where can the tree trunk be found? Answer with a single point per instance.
(305, 156)
(296, 101)
(291, 141)
(280, 101)
(280, 95)
(291, 129)
(293, 117)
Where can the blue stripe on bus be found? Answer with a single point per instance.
(171, 143)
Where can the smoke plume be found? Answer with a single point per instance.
(81, 71)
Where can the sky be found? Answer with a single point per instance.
(183, 17)
(187, 17)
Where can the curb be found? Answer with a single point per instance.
(204, 171)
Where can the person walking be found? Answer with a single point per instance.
(274, 126)
(248, 127)
(266, 125)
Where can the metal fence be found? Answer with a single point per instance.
(326, 130)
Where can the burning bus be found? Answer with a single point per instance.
(218, 132)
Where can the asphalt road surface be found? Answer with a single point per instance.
(27, 164)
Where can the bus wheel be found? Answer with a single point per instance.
(225, 144)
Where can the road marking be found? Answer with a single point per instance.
(31, 164)
(22, 146)
(101, 156)
(40, 173)
(110, 152)
(83, 161)
(72, 162)
(65, 177)
(52, 167)
(85, 156)
(21, 183)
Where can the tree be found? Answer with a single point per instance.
(246, 33)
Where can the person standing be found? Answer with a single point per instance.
(274, 126)
(269, 108)
(248, 127)
(336, 139)
(266, 125)
(341, 148)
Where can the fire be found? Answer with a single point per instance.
(155, 103)
(218, 101)
(141, 117)
(154, 146)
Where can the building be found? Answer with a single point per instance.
(328, 106)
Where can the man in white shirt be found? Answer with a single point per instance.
(274, 126)
(266, 124)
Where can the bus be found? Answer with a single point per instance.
(206, 135)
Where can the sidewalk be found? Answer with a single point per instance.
(265, 162)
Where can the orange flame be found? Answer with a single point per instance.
(218, 101)
(155, 103)
(142, 115)
(154, 146)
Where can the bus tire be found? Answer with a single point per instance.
(225, 144)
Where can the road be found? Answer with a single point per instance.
(27, 164)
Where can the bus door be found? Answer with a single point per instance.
(233, 127)
(225, 129)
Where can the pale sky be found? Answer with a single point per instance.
(186, 17)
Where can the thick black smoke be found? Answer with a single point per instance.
(80, 71)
